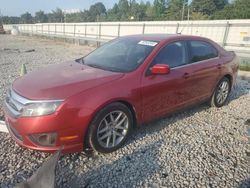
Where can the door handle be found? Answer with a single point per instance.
(219, 66)
(185, 75)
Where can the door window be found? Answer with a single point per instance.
(173, 54)
(201, 50)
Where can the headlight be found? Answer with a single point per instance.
(40, 108)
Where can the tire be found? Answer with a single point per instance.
(221, 93)
(105, 127)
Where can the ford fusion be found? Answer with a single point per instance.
(96, 101)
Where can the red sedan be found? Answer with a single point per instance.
(96, 101)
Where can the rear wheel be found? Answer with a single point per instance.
(221, 93)
(110, 128)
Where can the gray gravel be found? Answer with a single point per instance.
(199, 147)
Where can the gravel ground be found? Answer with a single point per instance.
(199, 147)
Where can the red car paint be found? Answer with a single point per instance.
(86, 90)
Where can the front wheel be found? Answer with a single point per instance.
(110, 128)
(221, 93)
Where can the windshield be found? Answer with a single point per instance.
(120, 55)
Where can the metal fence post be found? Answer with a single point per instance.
(55, 32)
(74, 30)
(224, 42)
(85, 33)
(118, 32)
(64, 32)
(100, 30)
(99, 34)
(177, 28)
(74, 33)
(143, 28)
(49, 30)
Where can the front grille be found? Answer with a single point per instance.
(14, 103)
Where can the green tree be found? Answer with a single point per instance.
(208, 7)
(96, 11)
(26, 18)
(159, 9)
(174, 10)
(74, 17)
(137, 11)
(239, 9)
(41, 17)
(205, 7)
(124, 10)
(56, 16)
(11, 20)
(87, 16)
(149, 11)
(113, 14)
(220, 4)
(199, 16)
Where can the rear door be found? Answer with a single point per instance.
(205, 68)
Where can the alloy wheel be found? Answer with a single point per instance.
(222, 93)
(112, 129)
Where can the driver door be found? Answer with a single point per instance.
(162, 94)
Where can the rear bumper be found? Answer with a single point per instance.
(21, 129)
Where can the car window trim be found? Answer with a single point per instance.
(190, 50)
(198, 62)
(147, 72)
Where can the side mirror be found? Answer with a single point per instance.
(160, 69)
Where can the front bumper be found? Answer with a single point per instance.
(70, 130)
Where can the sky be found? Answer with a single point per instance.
(18, 7)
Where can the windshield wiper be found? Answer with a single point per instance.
(105, 68)
(80, 60)
(95, 66)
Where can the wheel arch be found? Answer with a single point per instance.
(124, 102)
(132, 110)
(230, 78)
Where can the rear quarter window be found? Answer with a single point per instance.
(200, 50)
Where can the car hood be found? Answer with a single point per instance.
(61, 81)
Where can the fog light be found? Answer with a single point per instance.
(44, 139)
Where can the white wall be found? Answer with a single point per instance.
(213, 29)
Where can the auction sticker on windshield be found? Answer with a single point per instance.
(147, 43)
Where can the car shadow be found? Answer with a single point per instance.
(245, 183)
(241, 88)
(138, 165)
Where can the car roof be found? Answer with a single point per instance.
(162, 37)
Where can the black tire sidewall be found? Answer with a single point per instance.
(92, 133)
